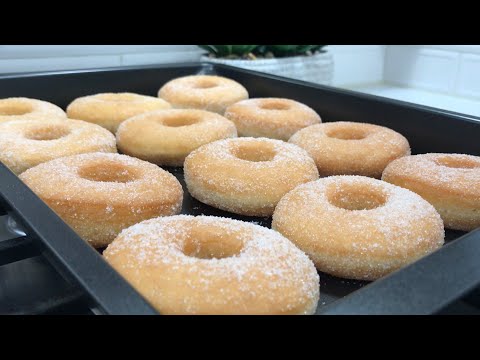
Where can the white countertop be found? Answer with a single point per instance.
(423, 97)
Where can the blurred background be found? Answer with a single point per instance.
(442, 76)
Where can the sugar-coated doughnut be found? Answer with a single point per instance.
(450, 182)
(27, 143)
(349, 148)
(204, 92)
(20, 108)
(100, 194)
(210, 265)
(166, 137)
(357, 227)
(109, 110)
(273, 118)
(247, 176)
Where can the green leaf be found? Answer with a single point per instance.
(282, 50)
(277, 50)
(242, 50)
(210, 48)
(226, 50)
(223, 50)
(260, 50)
(302, 49)
(317, 47)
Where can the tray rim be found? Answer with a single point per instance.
(212, 66)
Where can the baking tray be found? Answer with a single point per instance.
(424, 287)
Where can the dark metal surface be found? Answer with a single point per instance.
(12, 250)
(423, 287)
(33, 286)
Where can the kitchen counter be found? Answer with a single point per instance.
(423, 97)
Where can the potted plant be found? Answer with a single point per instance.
(304, 62)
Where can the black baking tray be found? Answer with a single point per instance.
(424, 287)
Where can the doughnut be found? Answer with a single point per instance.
(450, 182)
(218, 266)
(357, 227)
(100, 194)
(204, 92)
(273, 118)
(348, 148)
(246, 176)
(109, 110)
(20, 108)
(166, 137)
(27, 143)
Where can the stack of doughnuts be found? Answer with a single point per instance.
(345, 198)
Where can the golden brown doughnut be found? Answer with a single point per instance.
(99, 194)
(450, 182)
(204, 92)
(27, 143)
(20, 108)
(246, 176)
(109, 110)
(166, 137)
(210, 265)
(348, 148)
(273, 118)
(357, 227)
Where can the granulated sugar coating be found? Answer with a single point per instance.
(349, 148)
(21, 108)
(166, 137)
(203, 92)
(27, 143)
(450, 182)
(211, 265)
(247, 176)
(109, 110)
(100, 194)
(273, 118)
(357, 227)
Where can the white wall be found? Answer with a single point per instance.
(354, 64)
(443, 76)
(26, 58)
(357, 64)
(448, 69)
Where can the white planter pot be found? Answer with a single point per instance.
(317, 68)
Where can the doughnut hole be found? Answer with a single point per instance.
(12, 110)
(275, 105)
(254, 151)
(457, 163)
(47, 133)
(108, 172)
(204, 84)
(346, 133)
(117, 97)
(211, 243)
(355, 197)
(178, 121)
